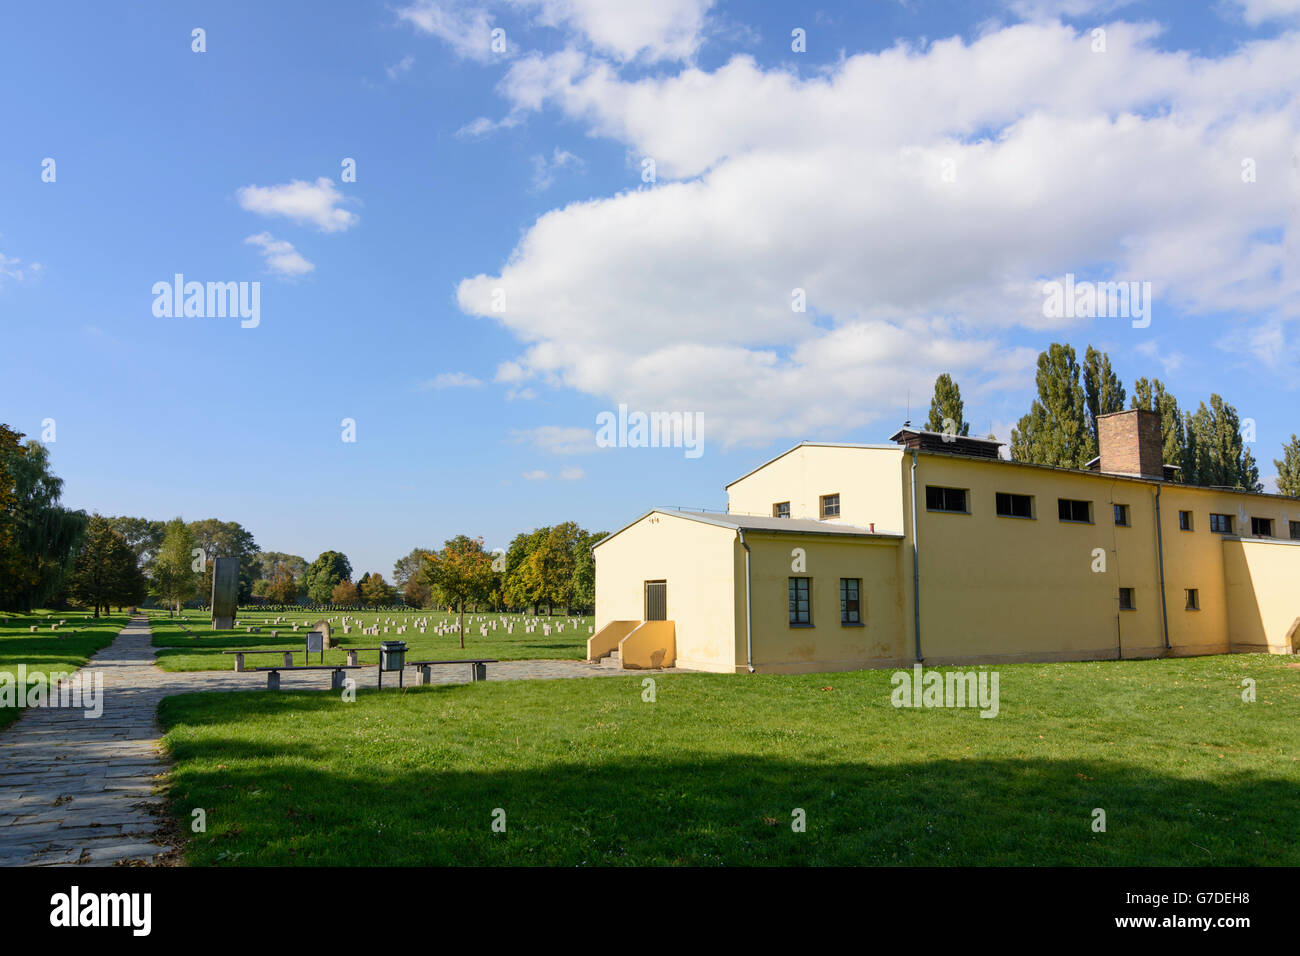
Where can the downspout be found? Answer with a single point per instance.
(916, 568)
(749, 631)
(1160, 552)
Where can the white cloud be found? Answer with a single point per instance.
(572, 473)
(678, 296)
(544, 169)
(401, 66)
(11, 268)
(466, 28)
(558, 439)
(1256, 12)
(451, 380)
(658, 30)
(536, 475)
(280, 255)
(318, 203)
(1055, 9)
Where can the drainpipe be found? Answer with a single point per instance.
(749, 631)
(1160, 552)
(916, 568)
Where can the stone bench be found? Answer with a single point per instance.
(239, 658)
(336, 677)
(477, 670)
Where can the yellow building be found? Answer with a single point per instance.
(933, 548)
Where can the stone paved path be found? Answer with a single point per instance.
(79, 790)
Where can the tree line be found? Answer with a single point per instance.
(1060, 427)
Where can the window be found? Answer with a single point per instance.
(1193, 600)
(1070, 510)
(1126, 600)
(1184, 521)
(1295, 530)
(1121, 515)
(830, 506)
(781, 509)
(1261, 527)
(1015, 506)
(801, 602)
(850, 609)
(1221, 524)
(945, 499)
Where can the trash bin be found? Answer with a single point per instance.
(392, 657)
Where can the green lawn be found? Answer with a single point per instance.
(590, 774)
(201, 648)
(49, 651)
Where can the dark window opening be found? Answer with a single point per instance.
(1068, 509)
(850, 608)
(801, 602)
(945, 499)
(1015, 506)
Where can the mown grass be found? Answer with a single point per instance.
(47, 651)
(201, 648)
(588, 773)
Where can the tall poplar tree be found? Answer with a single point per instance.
(1152, 395)
(1288, 468)
(1103, 392)
(946, 405)
(1055, 432)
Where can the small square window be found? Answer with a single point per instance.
(1069, 509)
(1126, 600)
(831, 506)
(1193, 599)
(945, 499)
(781, 509)
(1184, 521)
(801, 602)
(1261, 527)
(1295, 530)
(850, 607)
(1220, 524)
(1121, 515)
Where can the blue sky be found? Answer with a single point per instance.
(522, 170)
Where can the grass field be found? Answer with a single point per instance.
(588, 773)
(49, 651)
(201, 648)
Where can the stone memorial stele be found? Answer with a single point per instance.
(225, 591)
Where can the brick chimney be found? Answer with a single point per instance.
(1131, 444)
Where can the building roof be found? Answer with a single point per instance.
(761, 523)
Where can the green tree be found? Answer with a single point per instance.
(38, 536)
(458, 574)
(105, 571)
(329, 568)
(345, 592)
(377, 592)
(1103, 392)
(143, 536)
(1055, 432)
(282, 586)
(173, 577)
(584, 572)
(946, 405)
(1152, 395)
(518, 595)
(408, 567)
(1288, 468)
(1220, 455)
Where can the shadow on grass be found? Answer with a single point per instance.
(342, 800)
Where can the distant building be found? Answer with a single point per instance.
(840, 556)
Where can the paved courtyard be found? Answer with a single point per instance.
(79, 790)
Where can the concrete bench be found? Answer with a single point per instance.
(336, 678)
(239, 658)
(477, 670)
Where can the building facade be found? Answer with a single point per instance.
(933, 548)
